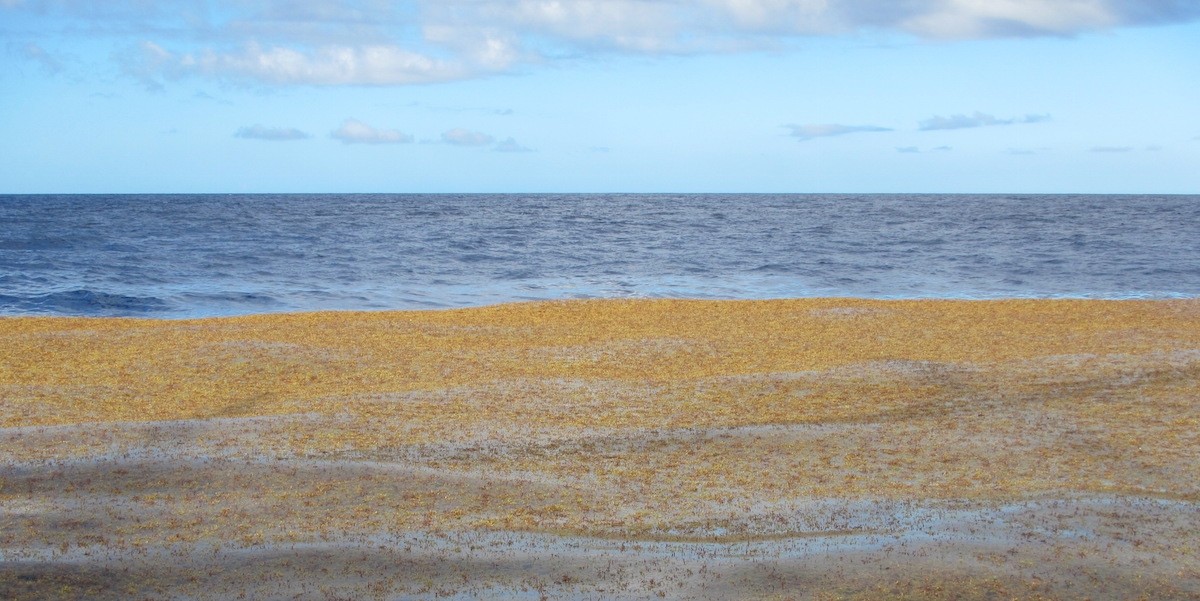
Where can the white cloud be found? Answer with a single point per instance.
(330, 11)
(808, 132)
(375, 42)
(704, 25)
(325, 66)
(635, 25)
(353, 131)
(273, 134)
(463, 137)
(1112, 149)
(147, 63)
(976, 120)
(1003, 18)
(510, 145)
(953, 19)
(785, 16)
(329, 65)
(37, 54)
(486, 48)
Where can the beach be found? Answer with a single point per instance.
(817, 448)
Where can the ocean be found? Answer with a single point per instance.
(181, 256)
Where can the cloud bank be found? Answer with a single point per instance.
(510, 145)
(371, 42)
(808, 132)
(464, 137)
(272, 134)
(353, 131)
(917, 150)
(976, 120)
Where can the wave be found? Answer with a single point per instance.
(239, 298)
(85, 302)
(773, 268)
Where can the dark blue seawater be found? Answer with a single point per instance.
(200, 255)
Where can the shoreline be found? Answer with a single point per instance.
(1149, 298)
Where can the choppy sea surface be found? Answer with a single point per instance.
(203, 255)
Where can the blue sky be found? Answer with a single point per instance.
(124, 96)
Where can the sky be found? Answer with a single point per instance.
(805, 96)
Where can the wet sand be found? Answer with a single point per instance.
(790, 449)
